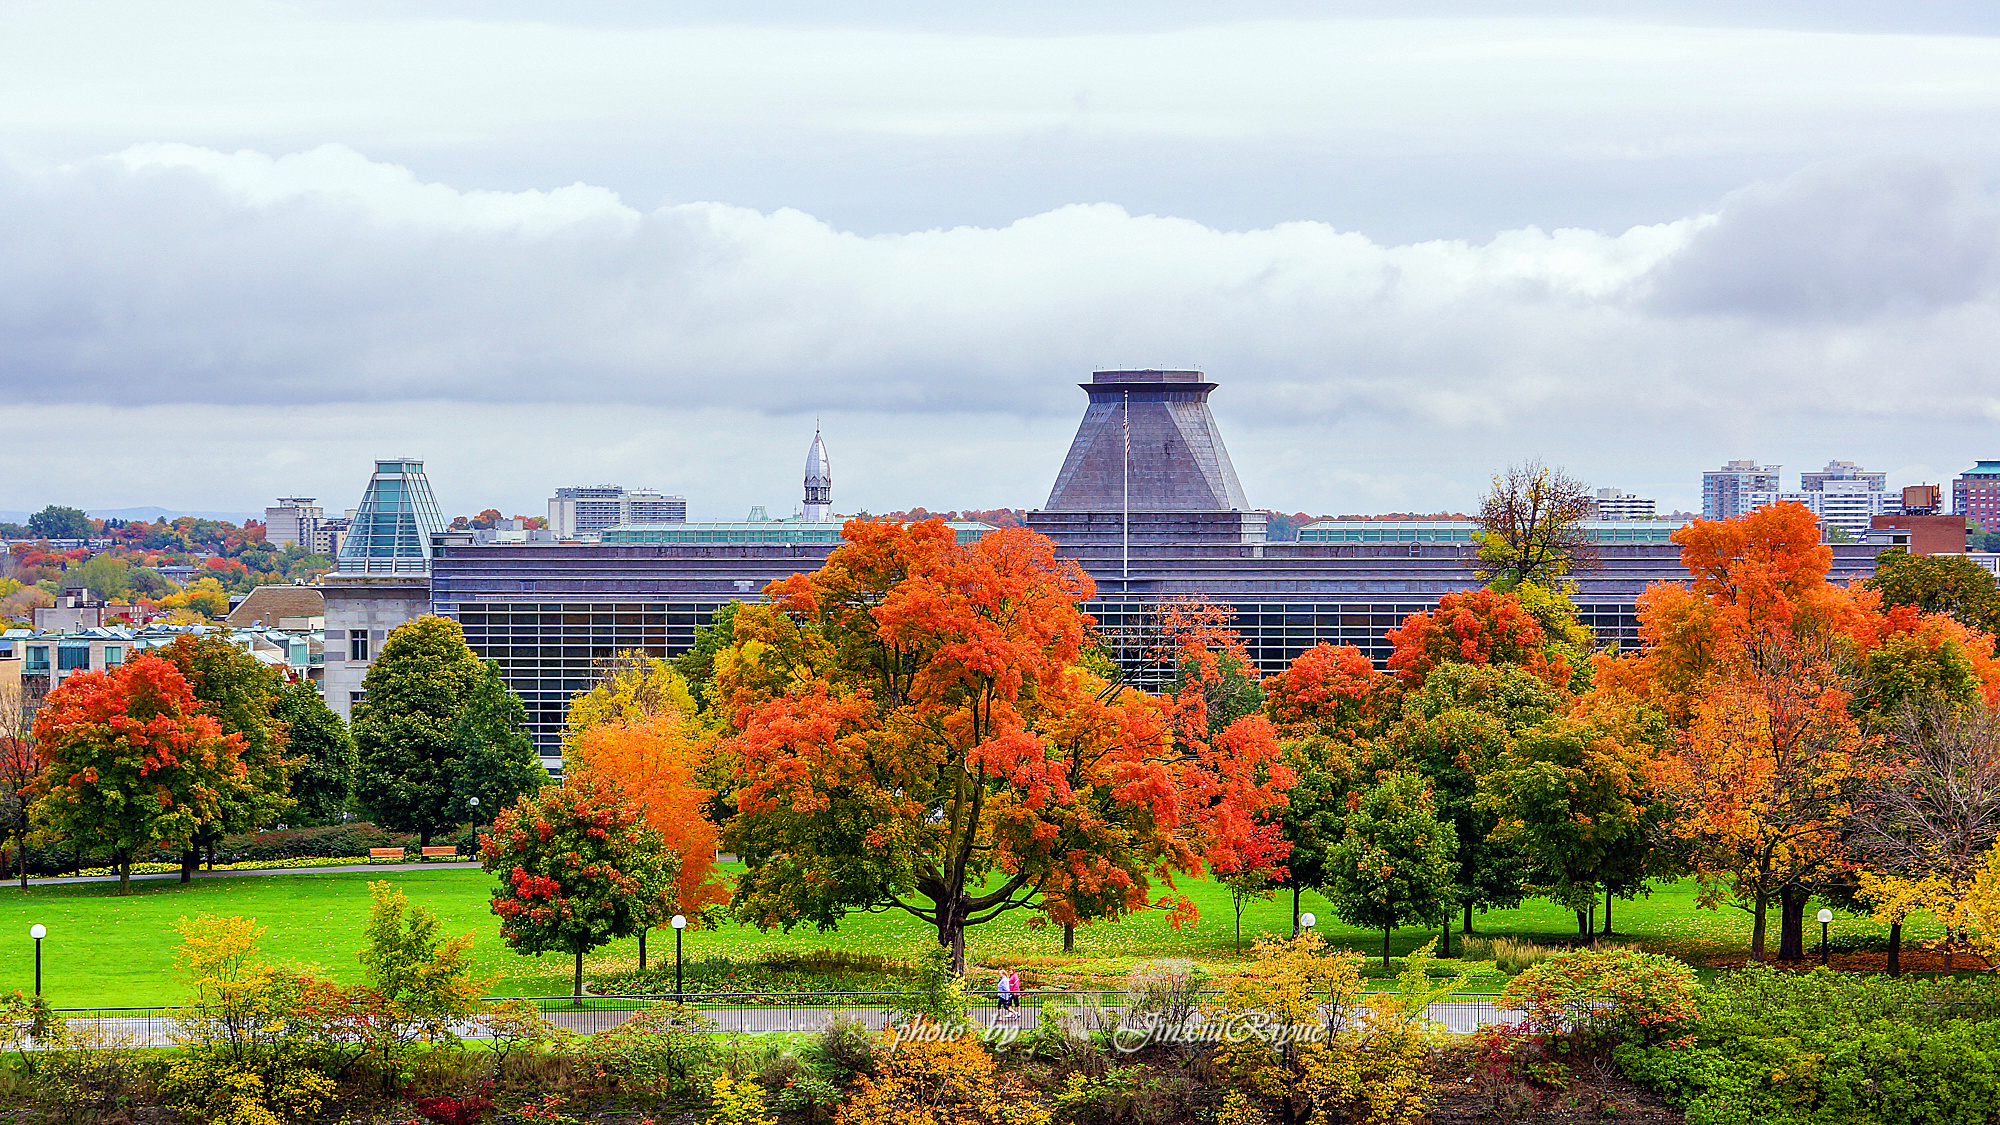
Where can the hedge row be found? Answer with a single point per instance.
(334, 841)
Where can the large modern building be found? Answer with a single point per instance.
(1976, 495)
(1617, 504)
(1146, 500)
(582, 514)
(1730, 491)
(295, 519)
(381, 576)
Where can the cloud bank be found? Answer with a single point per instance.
(1848, 310)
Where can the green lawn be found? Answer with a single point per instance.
(107, 950)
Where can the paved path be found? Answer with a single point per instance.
(344, 869)
(1459, 1017)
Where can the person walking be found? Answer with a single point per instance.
(1002, 993)
(1014, 991)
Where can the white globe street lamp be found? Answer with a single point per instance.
(38, 932)
(680, 923)
(1825, 920)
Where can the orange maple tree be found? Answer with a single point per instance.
(1476, 627)
(1332, 690)
(131, 761)
(910, 728)
(657, 763)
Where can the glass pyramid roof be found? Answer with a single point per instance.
(394, 523)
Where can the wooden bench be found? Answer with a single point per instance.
(440, 853)
(386, 853)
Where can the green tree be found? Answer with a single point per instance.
(55, 522)
(322, 752)
(107, 576)
(1948, 584)
(497, 761)
(697, 664)
(1394, 867)
(238, 690)
(1315, 816)
(1454, 729)
(578, 867)
(421, 981)
(405, 727)
(1572, 796)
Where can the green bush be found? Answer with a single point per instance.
(665, 1051)
(1832, 1049)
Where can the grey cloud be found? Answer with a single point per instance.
(1839, 242)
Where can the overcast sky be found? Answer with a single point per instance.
(247, 247)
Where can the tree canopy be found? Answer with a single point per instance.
(405, 727)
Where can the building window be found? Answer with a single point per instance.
(113, 656)
(37, 663)
(357, 645)
(72, 658)
(354, 699)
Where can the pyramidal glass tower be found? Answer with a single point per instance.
(393, 526)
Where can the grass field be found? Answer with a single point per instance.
(107, 950)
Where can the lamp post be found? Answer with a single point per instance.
(1825, 920)
(680, 923)
(1306, 923)
(38, 932)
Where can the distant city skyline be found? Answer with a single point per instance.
(251, 248)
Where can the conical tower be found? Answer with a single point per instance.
(819, 483)
(393, 524)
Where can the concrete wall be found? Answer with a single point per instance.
(353, 604)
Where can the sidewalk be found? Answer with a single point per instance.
(344, 869)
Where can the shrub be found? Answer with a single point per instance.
(845, 1048)
(1598, 994)
(1831, 1049)
(935, 994)
(269, 1088)
(947, 1081)
(88, 1076)
(1164, 993)
(663, 1051)
(447, 1110)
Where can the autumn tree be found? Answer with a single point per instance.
(1923, 825)
(496, 757)
(1333, 691)
(1953, 585)
(1394, 867)
(1476, 627)
(239, 691)
(633, 687)
(21, 768)
(132, 762)
(322, 751)
(404, 727)
(1531, 527)
(578, 867)
(657, 762)
(697, 664)
(892, 736)
(1765, 776)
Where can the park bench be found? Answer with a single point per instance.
(440, 853)
(385, 853)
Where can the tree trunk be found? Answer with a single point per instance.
(190, 859)
(1792, 922)
(1069, 937)
(1446, 948)
(1295, 909)
(124, 867)
(1583, 925)
(1239, 927)
(1607, 912)
(424, 841)
(1757, 924)
(642, 950)
(24, 859)
(1385, 948)
(1896, 948)
(576, 995)
(1468, 917)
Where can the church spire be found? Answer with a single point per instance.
(819, 482)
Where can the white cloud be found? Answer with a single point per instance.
(547, 337)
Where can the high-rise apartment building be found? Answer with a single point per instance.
(1617, 504)
(1843, 471)
(1976, 495)
(296, 519)
(584, 513)
(1727, 492)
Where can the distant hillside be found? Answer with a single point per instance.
(149, 514)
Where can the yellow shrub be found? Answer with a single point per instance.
(740, 1103)
(949, 1082)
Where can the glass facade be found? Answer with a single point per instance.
(1463, 531)
(394, 523)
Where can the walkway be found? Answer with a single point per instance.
(343, 869)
